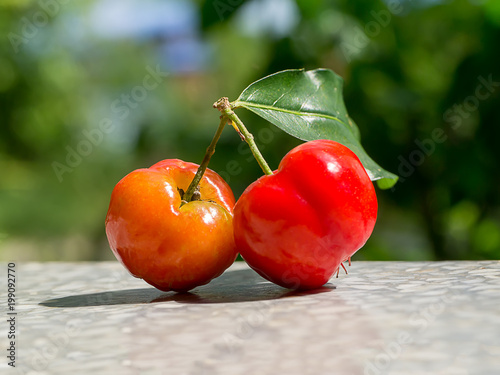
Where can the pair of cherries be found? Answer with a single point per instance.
(294, 227)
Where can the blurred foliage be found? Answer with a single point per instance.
(416, 82)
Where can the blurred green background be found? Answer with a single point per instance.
(422, 81)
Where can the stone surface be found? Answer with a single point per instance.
(440, 318)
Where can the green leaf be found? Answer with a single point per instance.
(309, 105)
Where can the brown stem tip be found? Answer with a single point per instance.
(222, 104)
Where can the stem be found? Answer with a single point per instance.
(204, 164)
(248, 137)
(225, 108)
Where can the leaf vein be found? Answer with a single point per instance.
(269, 107)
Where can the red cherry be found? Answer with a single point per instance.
(297, 226)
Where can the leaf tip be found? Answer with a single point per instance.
(387, 182)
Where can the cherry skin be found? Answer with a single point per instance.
(297, 226)
(170, 244)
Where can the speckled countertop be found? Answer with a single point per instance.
(440, 318)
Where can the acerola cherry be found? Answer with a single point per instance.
(170, 244)
(295, 227)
